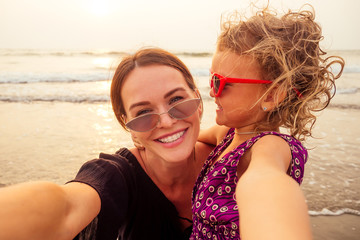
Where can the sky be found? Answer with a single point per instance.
(125, 25)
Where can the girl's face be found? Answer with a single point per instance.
(238, 105)
(154, 89)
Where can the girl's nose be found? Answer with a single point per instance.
(211, 93)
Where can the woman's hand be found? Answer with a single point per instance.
(44, 210)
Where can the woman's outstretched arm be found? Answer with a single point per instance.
(44, 210)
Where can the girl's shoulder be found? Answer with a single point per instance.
(276, 140)
(278, 144)
(290, 140)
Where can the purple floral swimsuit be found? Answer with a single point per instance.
(215, 213)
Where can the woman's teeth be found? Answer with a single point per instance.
(171, 138)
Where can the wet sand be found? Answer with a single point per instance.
(342, 227)
(51, 140)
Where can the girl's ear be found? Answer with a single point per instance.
(273, 98)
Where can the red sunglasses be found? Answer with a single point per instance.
(217, 82)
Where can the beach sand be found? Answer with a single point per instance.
(51, 140)
(342, 227)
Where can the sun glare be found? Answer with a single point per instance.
(103, 63)
(99, 7)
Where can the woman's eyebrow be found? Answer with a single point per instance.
(173, 91)
(143, 103)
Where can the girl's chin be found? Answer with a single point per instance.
(219, 121)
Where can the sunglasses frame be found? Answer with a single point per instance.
(224, 80)
(167, 112)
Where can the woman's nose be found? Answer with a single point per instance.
(165, 120)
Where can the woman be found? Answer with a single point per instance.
(132, 194)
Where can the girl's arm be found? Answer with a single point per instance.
(43, 210)
(271, 204)
(213, 135)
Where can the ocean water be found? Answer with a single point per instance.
(55, 115)
(68, 76)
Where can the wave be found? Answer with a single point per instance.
(352, 69)
(347, 90)
(344, 106)
(94, 90)
(105, 98)
(327, 212)
(56, 77)
(69, 99)
(67, 53)
(200, 72)
(194, 54)
(353, 66)
(22, 78)
(58, 53)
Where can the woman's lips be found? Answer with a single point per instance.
(171, 138)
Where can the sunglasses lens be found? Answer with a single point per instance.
(143, 123)
(179, 111)
(215, 83)
(184, 109)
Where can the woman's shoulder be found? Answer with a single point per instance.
(122, 158)
(119, 167)
(119, 156)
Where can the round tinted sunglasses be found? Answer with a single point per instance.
(179, 111)
(217, 82)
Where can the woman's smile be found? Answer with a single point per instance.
(172, 137)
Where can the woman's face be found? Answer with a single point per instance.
(154, 89)
(238, 104)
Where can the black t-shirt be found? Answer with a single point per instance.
(132, 206)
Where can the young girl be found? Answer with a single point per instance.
(268, 73)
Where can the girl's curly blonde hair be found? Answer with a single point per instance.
(287, 49)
